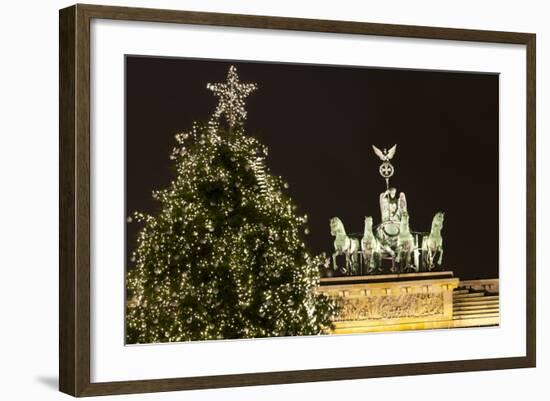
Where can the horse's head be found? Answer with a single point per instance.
(404, 222)
(336, 226)
(439, 218)
(368, 223)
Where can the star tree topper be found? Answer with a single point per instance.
(231, 96)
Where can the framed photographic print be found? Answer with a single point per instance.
(252, 200)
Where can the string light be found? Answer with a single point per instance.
(223, 258)
(231, 96)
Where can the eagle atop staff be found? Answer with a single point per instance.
(385, 155)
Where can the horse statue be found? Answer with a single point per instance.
(405, 244)
(432, 244)
(343, 245)
(370, 247)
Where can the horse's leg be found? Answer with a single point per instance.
(431, 257)
(413, 261)
(388, 249)
(393, 267)
(424, 253)
(428, 264)
(334, 260)
(440, 260)
(372, 261)
(424, 261)
(353, 250)
(368, 263)
(378, 260)
(397, 264)
(357, 255)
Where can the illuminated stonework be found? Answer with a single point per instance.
(391, 307)
(411, 301)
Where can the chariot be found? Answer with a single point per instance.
(392, 239)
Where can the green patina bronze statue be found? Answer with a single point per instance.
(344, 245)
(392, 238)
(370, 247)
(432, 244)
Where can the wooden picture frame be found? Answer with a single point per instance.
(74, 206)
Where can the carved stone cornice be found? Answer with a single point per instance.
(391, 307)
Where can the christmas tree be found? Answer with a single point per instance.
(224, 256)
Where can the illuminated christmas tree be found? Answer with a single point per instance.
(224, 256)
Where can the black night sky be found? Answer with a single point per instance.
(319, 123)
